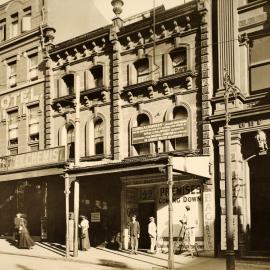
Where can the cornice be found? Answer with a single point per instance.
(252, 5)
(246, 113)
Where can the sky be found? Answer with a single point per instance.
(131, 7)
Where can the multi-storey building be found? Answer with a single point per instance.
(241, 45)
(124, 98)
(25, 34)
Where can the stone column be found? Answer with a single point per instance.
(228, 48)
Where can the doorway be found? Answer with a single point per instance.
(260, 201)
(145, 210)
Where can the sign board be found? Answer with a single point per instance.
(208, 219)
(223, 232)
(32, 159)
(95, 217)
(159, 131)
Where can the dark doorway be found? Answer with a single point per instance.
(33, 208)
(146, 210)
(260, 201)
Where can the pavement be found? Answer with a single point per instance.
(102, 258)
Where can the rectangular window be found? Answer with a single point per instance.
(12, 74)
(33, 112)
(259, 66)
(3, 30)
(14, 30)
(33, 67)
(13, 132)
(26, 20)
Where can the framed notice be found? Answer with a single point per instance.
(95, 217)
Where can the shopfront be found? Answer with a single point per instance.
(31, 184)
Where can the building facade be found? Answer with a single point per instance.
(28, 163)
(124, 98)
(241, 46)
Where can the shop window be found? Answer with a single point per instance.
(142, 68)
(96, 76)
(12, 73)
(99, 136)
(179, 60)
(13, 132)
(33, 67)
(181, 143)
(67, 85)
(71, 141)
(3, 30)
(259, 64)
(26, 20)
(14, 29)
(143, 148)
(33, 112)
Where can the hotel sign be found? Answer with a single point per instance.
(33, 159)
(159, 131)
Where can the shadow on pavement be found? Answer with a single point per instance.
(111, 263)
(22, 267)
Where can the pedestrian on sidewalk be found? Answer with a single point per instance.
(189, 222)
(134, 234)
(84, 242)
(152, 231)
(25, 240)
(17, 221)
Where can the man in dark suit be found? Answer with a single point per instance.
(134, 234)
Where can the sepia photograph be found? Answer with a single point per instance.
(134, 134)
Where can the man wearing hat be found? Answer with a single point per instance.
(189, 221)
(152, 231)
(134, 234)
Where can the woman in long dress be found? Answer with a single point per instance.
(25, 240)
(84, 243)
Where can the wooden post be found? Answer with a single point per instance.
(170, 209)
(76, 216)
(67, 191)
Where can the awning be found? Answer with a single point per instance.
(199, 166)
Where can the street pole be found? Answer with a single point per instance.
(230, 255)
(67, 192)
(170, 209)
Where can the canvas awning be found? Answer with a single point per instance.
(199, 166)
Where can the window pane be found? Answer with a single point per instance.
(257, 73)
(33, 60)
(259, 50)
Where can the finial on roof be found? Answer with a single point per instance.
(117, 7)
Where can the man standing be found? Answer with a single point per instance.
(189, 221)
(134, 234)
(152, 231)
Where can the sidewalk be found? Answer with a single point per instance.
(123, 260)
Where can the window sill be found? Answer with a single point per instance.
(175, 76)
(137, 86)
(96, 157)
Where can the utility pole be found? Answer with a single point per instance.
(230, 88)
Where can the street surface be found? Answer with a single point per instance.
(52, 257)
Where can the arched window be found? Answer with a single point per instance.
(181, 143)
(71, 141)
(179, 60)
(99, 136)
(67, 85)
(142, 68)
(143, 148)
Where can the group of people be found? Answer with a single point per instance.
(134, 234)
(22, 235)
(188, 222)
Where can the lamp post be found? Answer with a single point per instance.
(230, 88)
